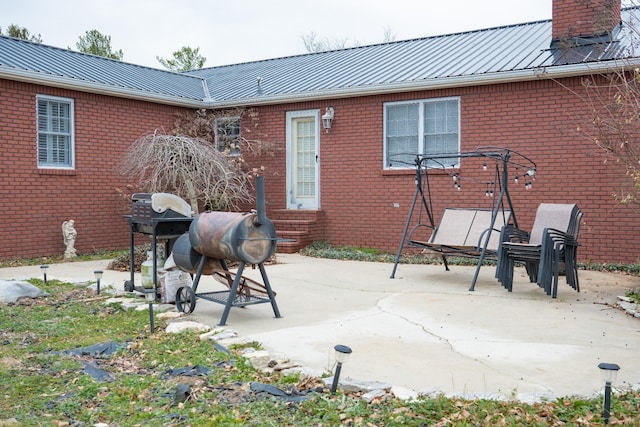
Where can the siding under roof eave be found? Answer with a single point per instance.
(102, 89)
(551, 72)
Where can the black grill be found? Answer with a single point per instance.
(160, 222)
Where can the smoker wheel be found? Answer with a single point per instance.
(128, 286)
(185, 300)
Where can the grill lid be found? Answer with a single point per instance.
(160, 202)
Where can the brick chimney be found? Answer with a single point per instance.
(584, 18)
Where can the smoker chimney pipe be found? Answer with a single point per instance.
(261, 204)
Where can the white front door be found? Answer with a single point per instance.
(303, 140)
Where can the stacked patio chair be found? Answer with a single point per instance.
(553, 241)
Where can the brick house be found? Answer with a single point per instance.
(66, 118)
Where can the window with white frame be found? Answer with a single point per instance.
(228, 135)
(430, 126)
(55, 132)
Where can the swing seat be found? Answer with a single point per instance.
(464, 232)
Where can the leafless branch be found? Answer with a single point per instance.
(189, 167)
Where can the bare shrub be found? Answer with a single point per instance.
(613, 123)
(190, 167)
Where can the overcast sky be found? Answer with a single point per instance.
(234, 31)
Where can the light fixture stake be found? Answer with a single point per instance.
(98, 275)
(44, 272)
(342, 352)
(150, 296)
(609, 372)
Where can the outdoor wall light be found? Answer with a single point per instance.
(44, 272)
(98, 274)
(327, 119)
(150, 296)
(608, 373)
(342, 354)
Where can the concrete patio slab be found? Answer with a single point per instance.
(424, 330)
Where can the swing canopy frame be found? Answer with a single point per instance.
(465, 232)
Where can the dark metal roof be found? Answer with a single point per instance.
(509, 53)
(463, 58)
(463, 54)
(42, 61)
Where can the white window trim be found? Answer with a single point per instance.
(290, 115)
(72, 144)
(421, 103)
(227, 118)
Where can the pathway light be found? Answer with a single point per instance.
(342, 354)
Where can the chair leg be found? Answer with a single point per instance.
(500, 264)
(556, 271)
(508, 283)
(532, 271)
(572, 268)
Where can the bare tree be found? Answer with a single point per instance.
(202, 160)
(389, 35)
(612, 114)
(312, 43)
(205, 124)
(191, 168)
(613, 123)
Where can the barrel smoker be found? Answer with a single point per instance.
(217, 237)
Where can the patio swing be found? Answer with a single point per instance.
(465, 232)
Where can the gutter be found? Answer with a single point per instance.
(63, 82)
(551, 72)
(538, 73)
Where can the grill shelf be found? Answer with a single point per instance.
(241, 293)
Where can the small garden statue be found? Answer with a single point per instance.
(69, 235)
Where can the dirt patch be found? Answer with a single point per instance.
(8, 362)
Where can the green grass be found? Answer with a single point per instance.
(634, 294)
(39, 386)
(325, 250)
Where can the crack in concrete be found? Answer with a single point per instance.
(406, 319)
(446, 340)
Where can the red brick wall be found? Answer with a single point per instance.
(34, 202)
(572, 18)
(536, 118)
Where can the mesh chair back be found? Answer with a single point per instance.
(553, 215)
